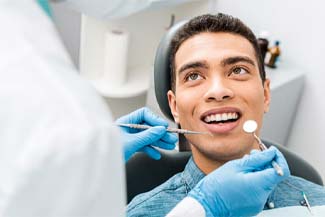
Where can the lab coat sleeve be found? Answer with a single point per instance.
(108, 9)
(187, 207)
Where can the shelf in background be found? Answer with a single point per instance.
(283, 74)
(138, 83)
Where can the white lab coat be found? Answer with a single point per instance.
(59, 153)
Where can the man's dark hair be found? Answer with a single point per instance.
(213, 23)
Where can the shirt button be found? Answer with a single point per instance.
(303, 203)
(270, 205)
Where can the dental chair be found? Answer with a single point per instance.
(143, 173)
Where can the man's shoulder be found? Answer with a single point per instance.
(289, 192)
(160, 200)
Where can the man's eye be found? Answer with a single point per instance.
(239, 71)
(193, 77)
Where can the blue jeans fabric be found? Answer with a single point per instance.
(159, 201)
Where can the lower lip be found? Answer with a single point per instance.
(222, 127)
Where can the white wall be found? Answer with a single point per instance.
(299, 25)
(68, 23)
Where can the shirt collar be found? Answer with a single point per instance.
(192, 174)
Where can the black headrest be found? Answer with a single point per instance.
(162, 70)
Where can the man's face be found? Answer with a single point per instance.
(218, 88)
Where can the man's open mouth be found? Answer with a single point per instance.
(221, 120)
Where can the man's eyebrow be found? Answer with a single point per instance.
(236, 59)
(191, 65)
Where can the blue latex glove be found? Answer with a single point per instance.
(241, 187)
(135, 140)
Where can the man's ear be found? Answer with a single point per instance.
(173, 105)
(267, 95)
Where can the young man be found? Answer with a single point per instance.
(218, 82)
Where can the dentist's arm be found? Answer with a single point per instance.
(238, 188)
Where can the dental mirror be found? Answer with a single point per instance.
(250, 126)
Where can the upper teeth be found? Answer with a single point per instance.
(221, 117)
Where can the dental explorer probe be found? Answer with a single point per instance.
(172, 130)
(249, 127)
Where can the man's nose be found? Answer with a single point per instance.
(218, 90)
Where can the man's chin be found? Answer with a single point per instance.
(220, 156)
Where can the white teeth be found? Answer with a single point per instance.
(221, 117)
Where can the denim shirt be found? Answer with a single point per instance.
(159, 201)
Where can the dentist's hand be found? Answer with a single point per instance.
(241, 187)
(135, 140)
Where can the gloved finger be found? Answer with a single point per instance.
(143, 116)
(152, 119)
(140, 116)
(151, 152)
(268, 178)
(255, 151)
(164, 145)
(127, 155)
(267, 166)
(170, 138)
(258, 160)
(281, 161)
(148, 136)
(252, 168)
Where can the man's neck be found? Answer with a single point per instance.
(207, 165)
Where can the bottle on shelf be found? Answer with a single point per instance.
(273, 55)
(263, 43)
